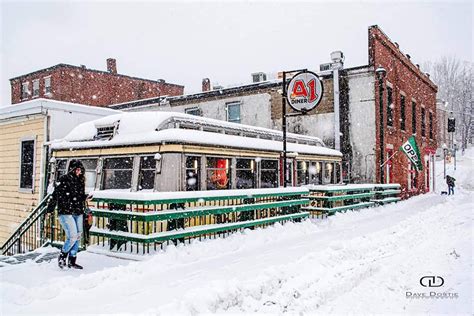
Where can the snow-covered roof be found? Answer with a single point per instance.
(41, 105)
(135, 128)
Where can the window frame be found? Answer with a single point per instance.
(24, 95)
(46, 92)
(34, 94)
(260, 170)
(197, 170)
(228, 105)
(413, 117)
(196, 111)
(423, 121)
(253, 170)
(104, 169)
(148, 169)
(229, 174)
(33, 176)
(430, 121)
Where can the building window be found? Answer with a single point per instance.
(389, 106)
(47, 85)
(90, 166)
(413, 117)
(36, 88)
(117, 173)
(402, 112)
(246, 175)
(302, 174)
(328, 173)
(24, 90)
(431, 124)
(218, 173)
(193, 111)
(269, 173)
(233, 112)
(61, 168)
(27, 164)
(146, 177)
(316, 173)
(193, 172)
(423, 122)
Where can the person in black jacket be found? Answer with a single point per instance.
(450, 181)
(69, 196)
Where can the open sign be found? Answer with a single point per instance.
(305, 91)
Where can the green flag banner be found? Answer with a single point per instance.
(413, 153)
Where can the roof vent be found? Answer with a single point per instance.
(106, 132)
(259, 77)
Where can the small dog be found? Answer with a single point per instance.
(444, 193)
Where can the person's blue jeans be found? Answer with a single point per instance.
(72, 225)
(450, 189)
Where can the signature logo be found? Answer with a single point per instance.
(431, 281)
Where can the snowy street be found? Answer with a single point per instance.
(357, 262)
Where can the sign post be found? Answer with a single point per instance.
(303, 93)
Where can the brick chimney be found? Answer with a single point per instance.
(206, 85)
(112, 65)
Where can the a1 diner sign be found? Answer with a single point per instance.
(305, 91)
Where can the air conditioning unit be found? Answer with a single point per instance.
(259, 77)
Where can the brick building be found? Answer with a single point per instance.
(408, 108)
(79, 84)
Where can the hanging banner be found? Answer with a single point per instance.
(413, 153)
(305, 91)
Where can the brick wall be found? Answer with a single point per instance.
(405, 79)
(92, 87)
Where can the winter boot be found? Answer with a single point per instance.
(62, 259)
(71, 263)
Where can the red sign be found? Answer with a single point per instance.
(305, 91)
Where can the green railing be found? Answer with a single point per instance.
(328, 200)
(141, 222)
(30, 234)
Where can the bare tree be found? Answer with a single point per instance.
(454, 80)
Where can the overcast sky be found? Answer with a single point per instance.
(187, 41)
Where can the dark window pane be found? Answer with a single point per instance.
(193, 171)
(268, 179)
(269, 164)
(423, 122)
(431, 125)
(147, 162)
(302, 174)
(402, 112)
(119, 163)
(26, 164)
(245, 179)
(413, 117)
(147, 180)
(389, 106)
(118, 173)
(233, 112)
(244, 163)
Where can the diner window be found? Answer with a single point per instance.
(328, 173)
(246, 174)
(36, 87)
(423, 122)
(218, 173)
(389, 106)
(269, 173)
(24, 90)
(338, 173)
(315, 173)
(431, 124)
(90, 166)
(233, 112)
(402, 112)
(193, 172)
(117, 173)
(302, 174)
(413, 117)
(27, 164)
(61, 167)
(47, 85)
(146, 177)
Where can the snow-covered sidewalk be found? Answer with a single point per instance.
(369, 261)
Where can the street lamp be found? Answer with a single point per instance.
(381, 72)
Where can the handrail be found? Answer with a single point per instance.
(26, 225)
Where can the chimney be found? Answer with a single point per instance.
(112, 65)
(206, 85)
